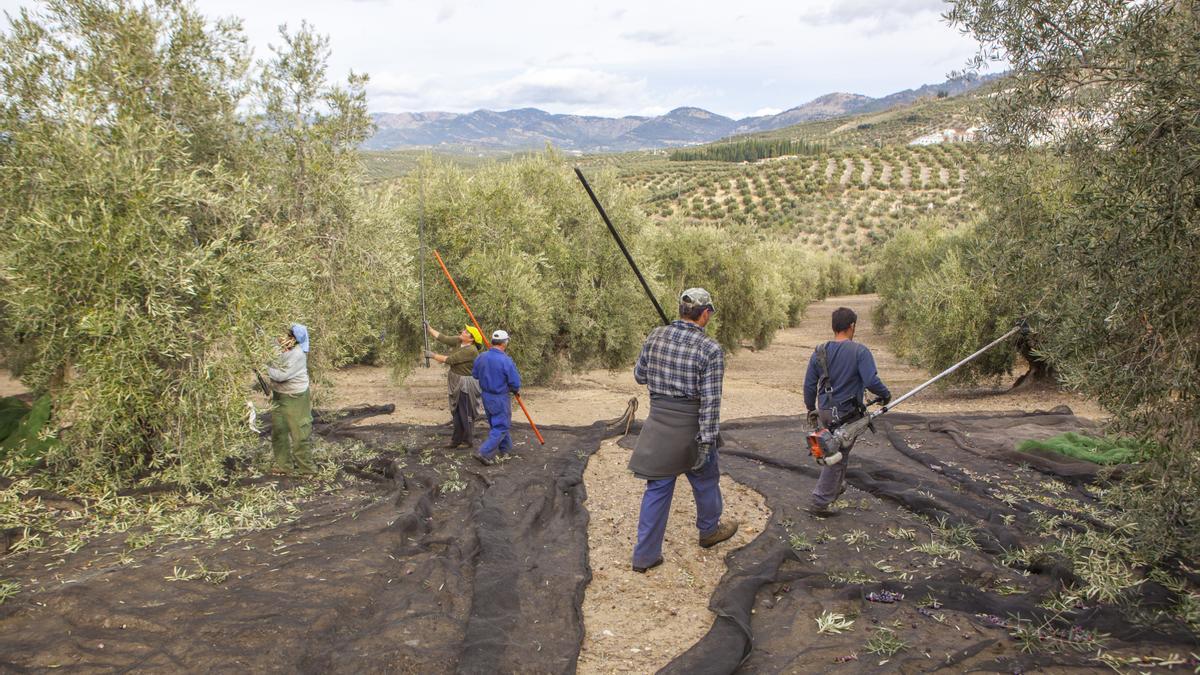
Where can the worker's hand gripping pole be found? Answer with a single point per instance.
(486, 342)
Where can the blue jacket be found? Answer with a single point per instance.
(496, 372)
(851, 369)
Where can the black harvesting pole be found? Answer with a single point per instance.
(421, 237)
(621, 243)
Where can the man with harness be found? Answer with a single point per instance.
(838, 372)
(683, 369)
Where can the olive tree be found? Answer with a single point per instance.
(1092, 218)
(152, 239)
(529, 252)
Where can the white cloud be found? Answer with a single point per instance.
(622, 57)
(848, 11)
(396, 84)
(658, 38)
(561, 90)
(561, 87)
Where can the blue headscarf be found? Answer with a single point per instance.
(300, 332)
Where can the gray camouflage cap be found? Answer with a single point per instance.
(696, 297)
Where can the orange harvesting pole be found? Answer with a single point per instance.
(486, 342)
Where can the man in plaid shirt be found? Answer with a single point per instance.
(683, 369)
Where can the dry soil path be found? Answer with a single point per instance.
(763, 382)
(638, 623)
(635, 622)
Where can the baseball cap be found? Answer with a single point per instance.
(499, 336)
(697, 297)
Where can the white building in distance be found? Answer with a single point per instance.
(953, 135)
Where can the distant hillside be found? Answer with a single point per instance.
(825, 107)
(945, 89)
(486, 130)
(854, 181)
(916, 115)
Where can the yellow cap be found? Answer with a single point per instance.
(478, 337)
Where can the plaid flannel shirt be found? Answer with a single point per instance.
(680, 360)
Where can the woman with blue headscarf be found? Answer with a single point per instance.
(291, 416)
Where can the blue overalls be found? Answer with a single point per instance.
(498, 378)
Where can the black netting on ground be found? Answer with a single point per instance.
(424, 567)
(422, 561)
(962, 474)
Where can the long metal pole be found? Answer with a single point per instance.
(951, 369)
(621, 243)
(421, 245)
(486, 342)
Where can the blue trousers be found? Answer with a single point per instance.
(656, 507)
(499, 411)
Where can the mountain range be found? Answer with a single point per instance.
(531, 128)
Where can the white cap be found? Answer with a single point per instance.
(499, 336)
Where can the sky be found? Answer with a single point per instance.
(748, 57)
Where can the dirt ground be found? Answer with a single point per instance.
(9, 386)
(638, 623)
(634, 622)
(757, 383)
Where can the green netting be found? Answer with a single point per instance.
(25, 440)
(1089, 448)
(12, 411)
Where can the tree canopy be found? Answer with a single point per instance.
(1091, 227)
(155, 232)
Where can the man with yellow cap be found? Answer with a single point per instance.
(461, 386)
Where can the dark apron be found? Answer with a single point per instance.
(465, 384)
(667, 446)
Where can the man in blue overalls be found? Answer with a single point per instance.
(498, 379)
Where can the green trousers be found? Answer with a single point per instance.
(291, 432)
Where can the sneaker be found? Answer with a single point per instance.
(486, 461)
(642, 570)
(724, 531)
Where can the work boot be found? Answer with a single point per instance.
(642, 570)
(724, 531)
(820, 510)
(486, 461)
